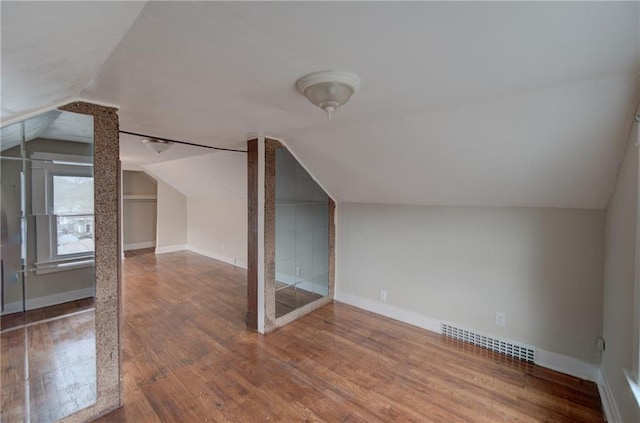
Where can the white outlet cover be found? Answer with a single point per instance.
(383, 295)
(501, 318)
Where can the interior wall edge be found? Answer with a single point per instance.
(609, 405)
(621, 282)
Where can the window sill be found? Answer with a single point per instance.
(635, 388)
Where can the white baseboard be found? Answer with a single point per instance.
(62, 297)
(139, 245)
(234, 261)
(170, 249)
(410, 317)
(554, 361)
(14, 307)
(569, 365)
(609, 406)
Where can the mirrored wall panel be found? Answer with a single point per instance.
(47, 265)
(301, 236)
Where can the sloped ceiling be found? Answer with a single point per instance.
(133, 152)
(53, 125)
(51, 50)
(499, 104)
(220, 175)
(194, 171)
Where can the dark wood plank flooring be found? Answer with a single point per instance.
(291, 297)
(31, 316)
(189, 358)
(48, 369)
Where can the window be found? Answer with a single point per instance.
(62, 211)
(72, 205)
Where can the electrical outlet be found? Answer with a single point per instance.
(501, 318)
(383, 295)
(298, 271)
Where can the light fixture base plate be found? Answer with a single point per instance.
(314, 78)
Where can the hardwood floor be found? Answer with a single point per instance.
(23, 318)
(48, 368)
(289, 298)
(189, 358)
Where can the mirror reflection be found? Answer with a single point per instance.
(302, 236)
(47, 266)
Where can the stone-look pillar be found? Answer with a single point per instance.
(252, 241)
(107, 259)
(270, 147)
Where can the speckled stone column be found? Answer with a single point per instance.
(107, 259)
(270, 147)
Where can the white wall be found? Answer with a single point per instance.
(620, 255)
(217, 227)
(543, 267)
(172, 219)
(138, 224)
(138, 216)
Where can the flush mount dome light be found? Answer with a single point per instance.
(156, 145)
(328, 89)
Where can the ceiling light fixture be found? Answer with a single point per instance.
(328, 89)
(156, 145)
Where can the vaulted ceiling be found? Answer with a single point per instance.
(498, 104)
(51, 50)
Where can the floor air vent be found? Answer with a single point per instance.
(493, 344)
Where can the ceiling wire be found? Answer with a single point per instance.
(152, 137)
